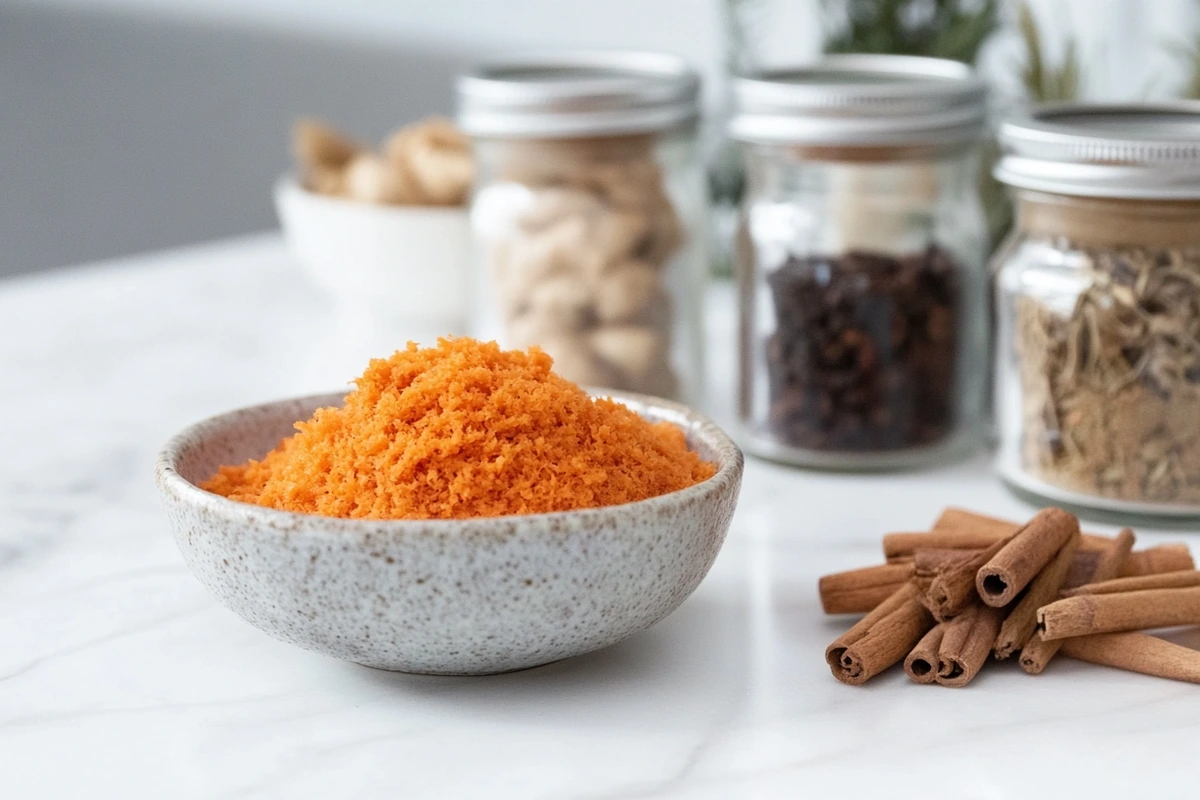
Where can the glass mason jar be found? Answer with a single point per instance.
(1097, 296)
(588, 211)
(861, 261)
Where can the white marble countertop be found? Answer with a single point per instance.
(121, 677)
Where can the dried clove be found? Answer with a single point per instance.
(863, 355)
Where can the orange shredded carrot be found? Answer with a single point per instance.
(465, 429)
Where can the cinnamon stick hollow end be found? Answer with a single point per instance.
(1019, 562)
(921, 665)
(1086, 614)
(1021, 622)
(952, 587)
(967, 644)
(880, 639)
(1037, 654)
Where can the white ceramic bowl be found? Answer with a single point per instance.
(403, 267)
(455, 597)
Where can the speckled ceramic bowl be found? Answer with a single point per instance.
(453, 597)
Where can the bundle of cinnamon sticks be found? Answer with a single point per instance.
(975, 586)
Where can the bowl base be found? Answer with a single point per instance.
(458, 673)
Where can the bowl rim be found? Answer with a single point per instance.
(289, 183)
(729, 457)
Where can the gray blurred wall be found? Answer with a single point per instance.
(129, 125)
(122, 132)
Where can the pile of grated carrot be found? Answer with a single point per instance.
(465, 429)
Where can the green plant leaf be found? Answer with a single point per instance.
(953, 29)
(1045, 83)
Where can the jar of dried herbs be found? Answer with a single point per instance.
(1098, 307)
(588, 210)
(860, 261)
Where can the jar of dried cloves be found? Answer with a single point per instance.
(1098, 307)
(860, 261)
(587, 213)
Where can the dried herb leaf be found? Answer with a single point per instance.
(1111, 391)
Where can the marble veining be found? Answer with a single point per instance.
(121, 677)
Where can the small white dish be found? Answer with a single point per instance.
(397, 272)
(450, 597)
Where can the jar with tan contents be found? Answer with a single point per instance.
(586, 213)
(1098, 308)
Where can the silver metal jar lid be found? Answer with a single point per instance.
(1122, 151)
(578, 94)
(861, 100)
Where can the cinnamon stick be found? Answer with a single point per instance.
(953, 586)
(904, 545)
(880, 639)
(1137, 652)
(1011, 570)
(899, 547)
(930, 564)
(1156, 560)
(1038, 652)
(1024, 567)
(960, 519)
(966, 643)
(931, 561)
(1165, 580)
(857, 591)
(953, 518)
(1153, 561)
(1021, 622)
(1128, 611)
(1113, 560)
(1083, 567)
(960, 529)
(921, 664)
